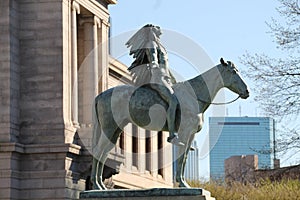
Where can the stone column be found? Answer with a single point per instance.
(96, 27)
(103, 56)
(128, 147)
(168, 159)
(75, 11)
(164, 154)
(142, 150)
(90, 67)
(154, 153)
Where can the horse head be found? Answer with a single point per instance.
(232, 79)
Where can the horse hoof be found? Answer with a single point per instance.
(184, 185)
(96, 187)
(103, 187)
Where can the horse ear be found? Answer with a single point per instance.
(223, 62)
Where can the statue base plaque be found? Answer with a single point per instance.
(148, 194)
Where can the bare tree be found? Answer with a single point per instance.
(278, 79)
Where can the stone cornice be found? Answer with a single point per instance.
(96, 8)
(39, 148)
(111, 1)
(119, 68)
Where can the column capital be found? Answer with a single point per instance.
(106, 23)
(86, 19)
(90, 19)
(93, 19)
(76, 7)
(97, 21)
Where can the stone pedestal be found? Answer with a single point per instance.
(149, 194)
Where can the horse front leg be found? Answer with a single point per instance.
(181, 158)
(180, 171)
(181, 162)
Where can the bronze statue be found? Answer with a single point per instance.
(153, 91)
(150, 68)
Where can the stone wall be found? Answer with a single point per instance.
(41, 119)
(39, 153)
(9, 95)
(42, 153)
(9, 71)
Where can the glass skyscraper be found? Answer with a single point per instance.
(192, 164)
(232, 136)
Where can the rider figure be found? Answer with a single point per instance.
(154, 55)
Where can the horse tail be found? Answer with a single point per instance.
(96, 129)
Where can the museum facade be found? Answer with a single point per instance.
(54, 60)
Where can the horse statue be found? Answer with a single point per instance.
(142, 106)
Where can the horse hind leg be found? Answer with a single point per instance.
(106, 144)
(95, 149)
(96, 153)
(95, 183)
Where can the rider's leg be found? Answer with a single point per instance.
(168, 95)
(171, 113)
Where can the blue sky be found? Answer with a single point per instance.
(221, 28)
